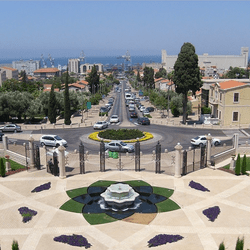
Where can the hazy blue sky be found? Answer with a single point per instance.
(64, 28)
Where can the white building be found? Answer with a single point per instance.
(2, 76)
(29, 66)
(220, 61)
(74, 65)
(87, 67)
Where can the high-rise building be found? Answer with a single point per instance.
(29, 66)
(74, 65)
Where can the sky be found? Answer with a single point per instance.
(110, 28)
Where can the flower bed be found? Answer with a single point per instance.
(42, 187)
(198, 186)
(212, 213)
(73, 240)
(26, 213)
(162, 239)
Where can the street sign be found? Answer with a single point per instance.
(88, 105)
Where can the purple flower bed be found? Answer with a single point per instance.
(161, 239)
(26, 213)
(212, 213)
(73, 240)
(198, 186)
(42, 187)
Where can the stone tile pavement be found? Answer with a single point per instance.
(229, 192)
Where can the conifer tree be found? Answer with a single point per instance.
(67, 114)
(52, 106)
(2, 168)
(237, 166)
(187, 74)
(222, 246)
(239, 244)
(244, 165)
(15, 245)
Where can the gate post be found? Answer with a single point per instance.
(158, 158)
(236, 143)
(137, 156)
(178, 149)
(102, 157)
(61, 156)
(5, 144)
(209, 143)
(55, 163)
(31, 147)
(37, 157)
(82, 160)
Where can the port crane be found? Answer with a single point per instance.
(52, 61)
(43, 61)
(82, 56)
(127, 58)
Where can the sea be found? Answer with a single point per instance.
(105, 60)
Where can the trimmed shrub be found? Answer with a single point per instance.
(15, 245)
(239, 244)
(2, 168)
(244, 165)
(237, 166)
(206, 110)
(222, 246)
(121, 134)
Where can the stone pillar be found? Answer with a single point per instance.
(236, 143)
(31, 148)
(178, 149)
(232, 163)
(209, 143)
(5, 143)
(61, 159)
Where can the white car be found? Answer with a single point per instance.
(100, 125)
(202, 140)
(142, 108)
(10, 128)
(114, 119)
(145, 112)
(52, 140)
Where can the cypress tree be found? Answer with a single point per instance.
(15, 245)
(237, 167)
(2, 168)
(222, 246)
(67, 120)
(244, 165)
(239, 244)
(52, 106)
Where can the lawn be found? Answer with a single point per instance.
(14, 165)
(241, 159)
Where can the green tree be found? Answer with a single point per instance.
(222, 246)
(138, 78)
(93, 79)
(148, 78)
(15, 245)
(237, 73)
(239, 244)
(244, 165)
(2, 168)
(187, 74)
(52, 105)
(161, 73)
(237, 165)
(67, 114)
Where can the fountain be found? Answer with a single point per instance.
(119, 196)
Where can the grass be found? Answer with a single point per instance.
(72, 206)
(166, 206)
(163, 191)
(241, 159)
(94, 219)
(14, 165)
(76, 192)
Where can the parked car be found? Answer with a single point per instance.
(131, 109)
(202, 140)
(103, 109)
(150, 109)
(52, 140)
(133, 115)
(145, 112)
(1, 136)
(100, 125)
(143, 121)
(10, 128)
(119, 146)
(142, 108)
(114, 119)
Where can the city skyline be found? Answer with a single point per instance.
(110, 28)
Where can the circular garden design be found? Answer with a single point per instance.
(151, 200)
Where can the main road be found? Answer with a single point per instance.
(166, 135)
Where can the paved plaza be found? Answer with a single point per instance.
(229, 192)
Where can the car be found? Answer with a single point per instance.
(131, 109)
(103, 109)
(1, 136)
(142, 108)
(133, 115)
(145, 112)
(150, 109)
(52, 140)
(114, 118)
(119, 146)
(143, 121)
(100, 125)
(202, 141)
(10, 128)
